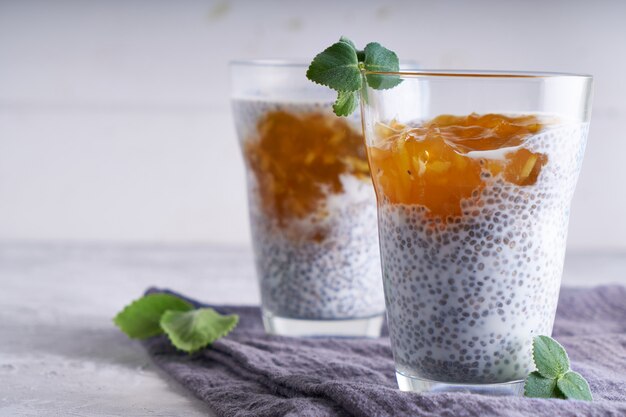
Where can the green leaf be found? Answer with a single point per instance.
(140, 319)
(348, 41)
(381, 59)
(346, 103)
(193, 330)
(360, 55)
(337, 67)
(574, 386)
(550, 357)
(537, 386)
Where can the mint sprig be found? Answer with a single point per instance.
(187, 328)
(553, 377)
(340, 66)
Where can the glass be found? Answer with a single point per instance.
(311, 203)
(474, 174)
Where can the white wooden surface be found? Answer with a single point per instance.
(114, 115)
(60, 354)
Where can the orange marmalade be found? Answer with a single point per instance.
(298, 159)
(445, 160)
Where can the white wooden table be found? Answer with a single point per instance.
(60, 354)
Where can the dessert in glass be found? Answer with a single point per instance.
(311, 203)
(474, 174)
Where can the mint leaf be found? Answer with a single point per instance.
(550, 357)
(574, 386)
(348, 41)
(536, 386)
(346, 103)
(140, 319)
(337, 67)
(381, 59)
(192, 330)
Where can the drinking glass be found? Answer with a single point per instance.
(311, 203)
(474, 174)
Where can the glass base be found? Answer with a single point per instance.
(363, 327)
(413, 384)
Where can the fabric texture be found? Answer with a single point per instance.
(249, 373)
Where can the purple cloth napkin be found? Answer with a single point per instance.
(249, 373)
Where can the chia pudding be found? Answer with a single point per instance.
(312, 211)
(472, 273)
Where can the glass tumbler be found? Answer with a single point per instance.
(474, 174)
(311, 202)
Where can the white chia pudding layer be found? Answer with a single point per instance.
(337, 277)
(466, 297)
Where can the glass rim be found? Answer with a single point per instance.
(426, 73)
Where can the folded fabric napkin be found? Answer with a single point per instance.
(249, 373)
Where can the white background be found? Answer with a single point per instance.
(115, 122)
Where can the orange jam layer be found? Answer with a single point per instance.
(298, 158)
(431, 165)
